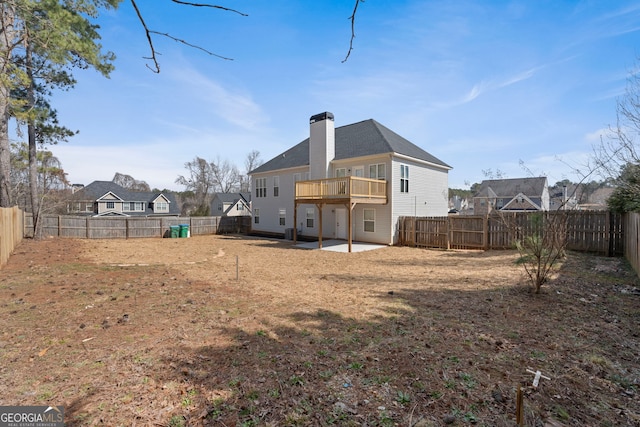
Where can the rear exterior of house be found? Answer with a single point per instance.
(351, 182)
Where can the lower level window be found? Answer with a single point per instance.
(310, 217)
(256, 216)
(282, 215)
(370, 220)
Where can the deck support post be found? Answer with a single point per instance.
(295, 221)
(319, 225)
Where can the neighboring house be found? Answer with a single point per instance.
(514, 195)
(598, 199)
(231, 204)
(350, 182)
(106, 198)
(565, 197)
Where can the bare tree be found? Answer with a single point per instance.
(130, 183)
(201, 182)
(617, 157)
(251, 162)
(226, 176)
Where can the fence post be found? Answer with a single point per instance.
(87, 227)
(449, 231)
(485, 232)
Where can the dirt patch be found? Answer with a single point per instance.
(229, 331)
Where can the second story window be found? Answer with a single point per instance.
(261, 187)
(377, 171)
(404, 178)
(111, 205)
(276, 186)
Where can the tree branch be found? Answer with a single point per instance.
(353, 30)
(187, 3)
(148, 33)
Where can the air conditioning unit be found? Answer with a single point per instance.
(288, 233)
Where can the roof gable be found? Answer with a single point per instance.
(109, 196)
(521, 203)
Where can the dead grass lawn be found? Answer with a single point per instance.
(228, 331)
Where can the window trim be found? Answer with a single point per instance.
(365, 221)
(311, 216)
(261, 187)
(404, 178)
(377, 173)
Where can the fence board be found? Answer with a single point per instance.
(11, 231)
(632, 240)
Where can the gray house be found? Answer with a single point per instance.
(350, 182)
(518, 194)
(106, 198)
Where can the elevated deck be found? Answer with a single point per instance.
(345, 190)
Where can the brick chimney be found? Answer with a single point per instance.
(322, 145)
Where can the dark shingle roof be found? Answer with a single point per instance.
(532, 187)
(356, 140)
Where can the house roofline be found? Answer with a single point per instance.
(424, 162)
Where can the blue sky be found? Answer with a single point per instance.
(479, 84)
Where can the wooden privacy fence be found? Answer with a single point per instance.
(11, 231)
(133, 227)
(632, 240)
(588, 231)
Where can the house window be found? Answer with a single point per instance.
(311, 213)
(219, 206)
(358, 171)
(377, 171)
(276, 186)
(404, 178)
(370, 220)
(239, 207)
(297, 177)
(282, 213)
(132, 206)
(341, 172)
(261, 187)
(161, 206)
(111, 205)
(256, 216)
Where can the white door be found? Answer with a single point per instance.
(341, 224)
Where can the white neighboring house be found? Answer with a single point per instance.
(231, 204)
(352, 182)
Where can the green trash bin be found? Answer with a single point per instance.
(175, 231)
(184, 230)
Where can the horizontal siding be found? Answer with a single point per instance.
(427, 196)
